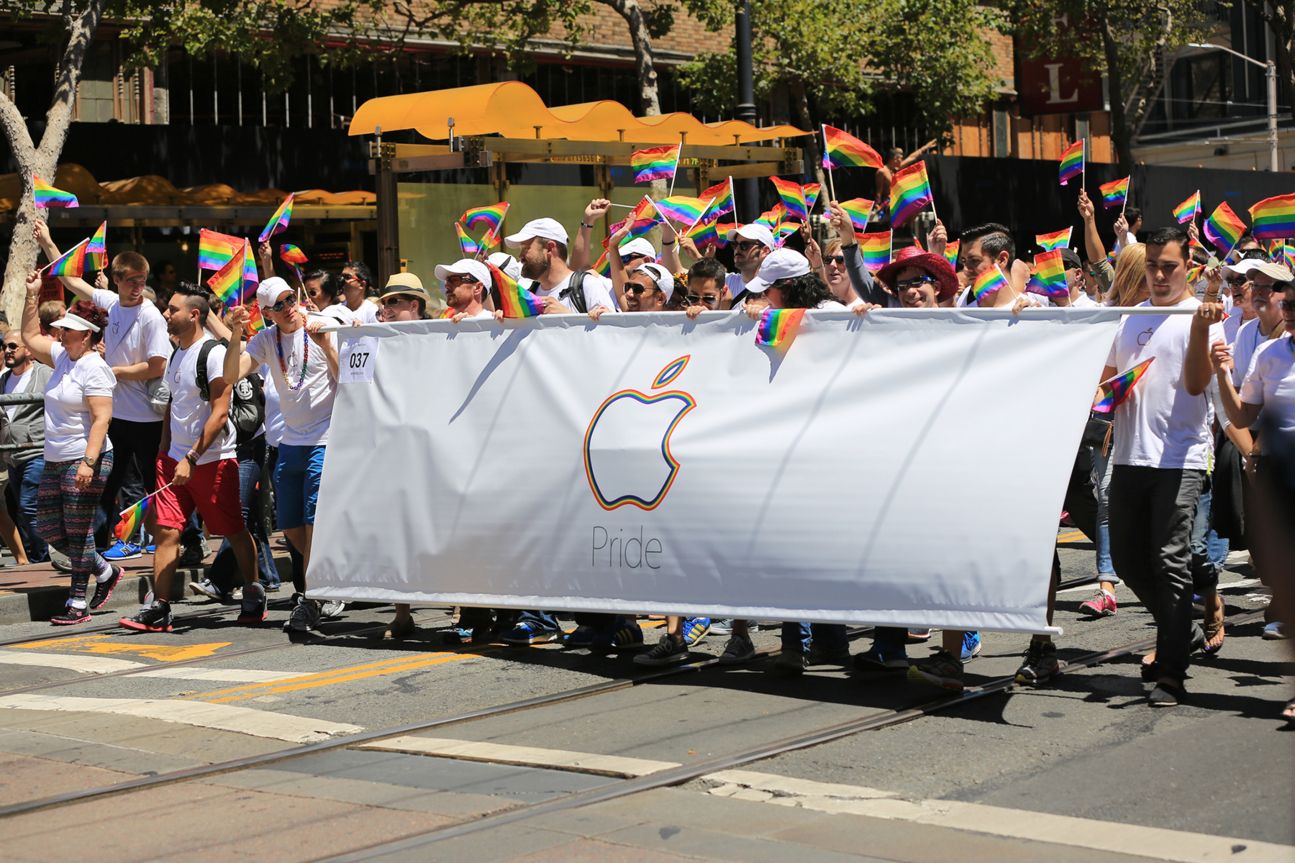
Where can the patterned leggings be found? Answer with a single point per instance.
(65, 517)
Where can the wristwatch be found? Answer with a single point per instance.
(89, 462)
(191, 457)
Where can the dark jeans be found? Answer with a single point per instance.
(799, 636)
(24, 483)
(133, 445)
(1205, 572)
(251, 485)
(1152, 513)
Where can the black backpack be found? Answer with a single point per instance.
(246, 402)
(574, 296)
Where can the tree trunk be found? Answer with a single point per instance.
(1120, 133)
(800, 99)
(42, 159)
(644, 62)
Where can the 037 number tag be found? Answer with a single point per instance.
(357, 359)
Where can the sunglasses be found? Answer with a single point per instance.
(636, 289)
(629, 259)
(914, 283)
(455, 279)
(703, 299)
(284, 305)
(388, 302)
(839, 260)
(1237, 281)
(746, 245)
(11, 346)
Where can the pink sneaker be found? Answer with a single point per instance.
(1101, 605)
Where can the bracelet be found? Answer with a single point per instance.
(667, 242)
(583, 225)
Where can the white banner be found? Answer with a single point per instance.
(906, 468)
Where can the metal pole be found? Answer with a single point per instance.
(746, 189)
(1272, 116)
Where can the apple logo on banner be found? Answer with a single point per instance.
(627, 446)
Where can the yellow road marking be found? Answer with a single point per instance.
(339, 675)
(1072, 536)
(103, 645)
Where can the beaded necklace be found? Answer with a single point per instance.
(305, 358)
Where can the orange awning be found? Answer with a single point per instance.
(514, 110)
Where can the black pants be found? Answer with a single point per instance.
(1151, 515)
(133, 445)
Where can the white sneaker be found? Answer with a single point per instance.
(332, 608)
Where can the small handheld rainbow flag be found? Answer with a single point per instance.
(655, 163)
(1274, 218)
(773, 217)
(858, 209)
(951, 250)
(44, 195)
(1117, 389)
(603, 266)
(705, 233)
(810, 192)
(988, 283)
(1048, 275)
(232, 280)
(215, 250)
(255, 320)
(1072, 162)
(1288, 257)
(71, 263)
(778, 327)
(514, 300)
(1188, 210)
(468, 246)
(492, 216)
(720, 196)
(97, 249)
(910, 193)
(682, 209)
(793, 198)
(279, 221)
(843, 150)
(290, 254)
(875, 249)
(1055, 240)
(131, 518)
(1115, 193)
(1224, 228)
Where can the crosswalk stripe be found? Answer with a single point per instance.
(526, 756)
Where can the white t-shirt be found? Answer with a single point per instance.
(336, 312)
(968, 299)
(598, 291)
(307, 409)
(67, 413)
(1083, 301)
(483, 315)
(274, 426)
(15, 384)
(1271, 383)
(1248, 340)
(189, 412)
(735, 284)
(367, 313)
(134, 334)
(1159, 424)
(834, 305)
(1232, 326)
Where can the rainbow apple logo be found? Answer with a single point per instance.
(627, 445)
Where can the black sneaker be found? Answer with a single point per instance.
(1166, 694)
(154, 618)
(103, 589)
(304, 617)
(70, 617)
(192, 556)
(1040, 664)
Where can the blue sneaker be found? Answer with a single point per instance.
(581, 636)
(970, 645)
(694, 630)
(151, 548)
(625, 634)
(122, 550)
(882, 657)
(527, 632)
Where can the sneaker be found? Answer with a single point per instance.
(1101, 605)
(151, 548)
(254, 606)
(208, 588)
(723, 626)
(1040, 664)
(822, 656)
(304, 617)
(122, 550)
(581, 636)
(155, 618)
(103, 589)
(191, 556)
(919, 636)
(882, 657)
(528, 632)
(627, 636)
(271, 586)
(1275, 631)
(59, 559)
(695, 629)
(330, 608)
(1166, 695)
(789, 663)
(666, 652)
(943, 669)
(70, 617)
(971, 645)
(738, 649)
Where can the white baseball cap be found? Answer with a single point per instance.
(664, 280)
(269, 291)
(465, 267)
(70, 321)
(1243, 267)
(779, 264)
(759, 233)
(638, 246)
(545, 229)
(507, 264)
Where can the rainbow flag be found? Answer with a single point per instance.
(810, 192)
(858, 209)
(279, 221)
(843, 150)
(468, 246)
(783, 231)
(1273, 218)
(70, 263)
(514, 300)
(131, 518)
(951, 250)
(910, 193)
(1288, 257)
(255, 320)
(1117, 389)
(1048, 275)
(228, 280)
(44, 195)
(1055, 240)
(603, 266)
(720, 196)
(778, 327)
(793, 198)
(290, 254)
(1194, 275)
(773, 217)
(251, 277)
(1224, 228)
(875, 249)
(706, 233)
(1188, 210)
(96, 249)
(215, 250)
(1115, 193)
(990, 282)
(682, 209)
(1072, 162)
(655, 163)
(492, 216)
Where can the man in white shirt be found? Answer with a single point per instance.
(358, 281)
(1163, 445)
(751, 244)
(467, 284)
(542, 246)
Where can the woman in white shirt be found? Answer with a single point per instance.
(78, 454)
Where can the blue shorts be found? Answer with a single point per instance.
(296, 484)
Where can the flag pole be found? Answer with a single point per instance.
(64, 255)
(831, 185)
(144, 498)
(732, 196)
(1127, 190)
(675, 173)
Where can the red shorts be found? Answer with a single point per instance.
(212, 489)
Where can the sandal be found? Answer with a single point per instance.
(1213, 638)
